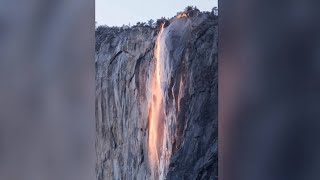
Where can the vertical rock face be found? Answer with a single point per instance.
(126, 64)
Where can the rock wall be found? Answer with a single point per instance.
(125, 64)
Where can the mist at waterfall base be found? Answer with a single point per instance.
(47, 90)
(269, 90)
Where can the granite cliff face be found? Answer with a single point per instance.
(183, 57)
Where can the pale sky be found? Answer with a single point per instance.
(119, 12)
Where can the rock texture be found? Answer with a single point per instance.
(125, 64)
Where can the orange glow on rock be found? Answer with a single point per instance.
(181, 15)
(156, 115)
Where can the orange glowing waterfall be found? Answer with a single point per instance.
(156, 116)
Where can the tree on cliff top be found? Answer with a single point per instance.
(188, 8)
(151, 23)
(215, 11)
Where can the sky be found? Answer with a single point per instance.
(119, 12)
